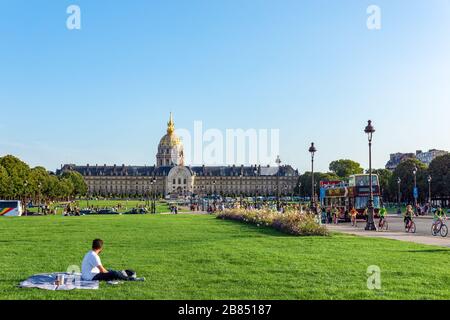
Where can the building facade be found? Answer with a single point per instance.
(396, 158)
(424, 157)
(430, 155)
(171, 177)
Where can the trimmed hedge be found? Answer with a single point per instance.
(291, 222)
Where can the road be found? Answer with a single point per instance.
(397, 231)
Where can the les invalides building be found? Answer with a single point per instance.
(171, 177)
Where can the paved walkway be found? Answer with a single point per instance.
(396, 232)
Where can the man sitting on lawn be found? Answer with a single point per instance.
(92, 268)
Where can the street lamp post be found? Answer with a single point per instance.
(150, 197)
(25, 204)
(240, 190)
(429, 191)
(370, 223)
(399, 181)
(300, 194)
(278, 161)
(154, 196)
(39, 197)
(415, 188)
(312, 150)
(214, 192)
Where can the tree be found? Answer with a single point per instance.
(344, 168)
(404, 171)
(4, 183)
(305, 181)
(18, 173)
(38, 183)
(65, 188)
(384, 176)
(80, 187)
(439, 171)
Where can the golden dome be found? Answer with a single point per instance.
(170, 139)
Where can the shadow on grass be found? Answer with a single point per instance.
(428, 251)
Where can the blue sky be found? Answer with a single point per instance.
(312, 69)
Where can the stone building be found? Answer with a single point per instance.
(424, 157)
(170, 176)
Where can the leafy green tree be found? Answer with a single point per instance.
(4, 183)
(66, 188)
(38, 183)
(18, 173)
(385, 176)
(344, 168)
(439, 171)
(305, 181)
(404, 171)
(80, 187)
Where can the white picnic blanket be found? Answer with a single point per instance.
(46, 281)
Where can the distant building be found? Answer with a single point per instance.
(424, 157)
(430, 155)
(170, 176)
(397, 158)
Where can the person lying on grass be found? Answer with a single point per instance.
(92, 268)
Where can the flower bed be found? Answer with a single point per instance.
(291, 222)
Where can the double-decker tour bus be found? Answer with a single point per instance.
(352, 194)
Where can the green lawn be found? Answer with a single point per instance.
(200, 257)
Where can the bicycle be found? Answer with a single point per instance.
(410, 227)
(383, 225)
(439, 227)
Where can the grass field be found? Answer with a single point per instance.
(200, 257)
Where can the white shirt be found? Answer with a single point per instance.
(89, 266)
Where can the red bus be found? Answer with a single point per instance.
(352, 194)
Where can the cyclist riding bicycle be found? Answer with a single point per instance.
(408, 216)
(439, 215)
(382, 214)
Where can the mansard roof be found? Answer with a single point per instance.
(224, 171)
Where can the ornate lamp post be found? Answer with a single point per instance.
(399, 181)
(240, 190)
(39, 197)
(153, 209)
(312, 149)
(300, 193)
(429, 191)
(214, 192)
(415, 188)
(278, 162)
(25, 204)
(148, 203)
(370, 209)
